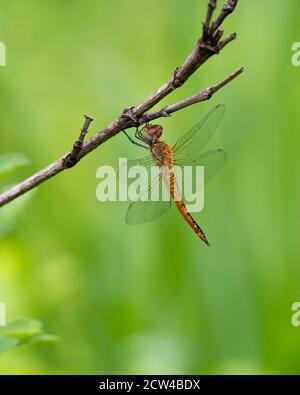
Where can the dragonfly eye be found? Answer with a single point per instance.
(152, 133)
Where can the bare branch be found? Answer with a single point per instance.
(207, 45)
(227, 40)
(227, 9)
(203, 95)
(212, 5)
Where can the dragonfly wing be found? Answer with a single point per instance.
(139, 212)
(190, 178)
(145, 209)
(211, 160)
(190, 144)
(146, 162)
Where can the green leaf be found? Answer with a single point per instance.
(10, 213)
(43, 338)
(7, 343)
(22, 327)
(12, 161)
(23, 331)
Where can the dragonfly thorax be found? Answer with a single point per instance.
(162, 154)
(152, 133)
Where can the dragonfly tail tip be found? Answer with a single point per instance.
(207, 242)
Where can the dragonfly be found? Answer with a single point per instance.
(186, 152)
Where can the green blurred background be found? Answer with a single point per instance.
(152, 298)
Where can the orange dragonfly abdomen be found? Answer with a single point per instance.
(190, 221)
(163, 157)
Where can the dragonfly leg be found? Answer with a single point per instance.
(133, 141)
(139, 135)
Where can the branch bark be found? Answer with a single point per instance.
(208, 45)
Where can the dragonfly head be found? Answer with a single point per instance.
(152, 133)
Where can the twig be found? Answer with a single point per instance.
(227, 9)
(207, 45)
(212, 5)
(203, 95)
(73, 157)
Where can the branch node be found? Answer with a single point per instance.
(208, 47)
(218, 35)
(164, 112)
(128, 113)
(228, 8)
(73, 157)
(176, 82)
(208, 93)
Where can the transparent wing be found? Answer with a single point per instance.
(145, 161)
(190, 145)
(145, 209)
(125, 167)
(190, 178)
(211, 160)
